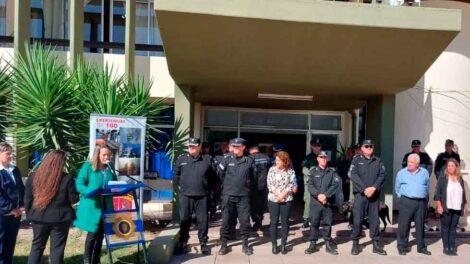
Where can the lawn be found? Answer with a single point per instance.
(75, 245)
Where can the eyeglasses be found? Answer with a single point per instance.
(368, 146)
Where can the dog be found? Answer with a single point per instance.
(384, 215)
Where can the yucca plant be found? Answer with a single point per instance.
(5, 96)
(104, 92)
(176, 146)
(45, 105)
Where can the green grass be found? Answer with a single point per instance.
(74, 249)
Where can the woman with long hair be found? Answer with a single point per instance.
(93, 175)
(49, 196)
(450, 200)
(282, 185)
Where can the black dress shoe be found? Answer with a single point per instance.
(356, 249)
(377, 249)
(306, 223)
(453, 251)
(311, 248)
(275, 249)
(402, 252)
(283, 249)
(330, 248)
(205, 250)
(424, 251)
(223, 248)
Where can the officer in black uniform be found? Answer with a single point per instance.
(309, 161)
(367, 174)
(442, 158)
(323, 184)
(236, 172)
(216, 186)
(425, 160)
(259, 186)
(192, 173)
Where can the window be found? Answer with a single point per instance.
(49, 19)
(326, 122)
(221, 118)
(273, 120)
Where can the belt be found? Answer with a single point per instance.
(414, 198)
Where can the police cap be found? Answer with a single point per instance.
(238, 142)
(415, 142)
(194, 142)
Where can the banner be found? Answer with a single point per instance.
(125, 136)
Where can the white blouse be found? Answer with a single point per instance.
(281, 181)
(454, 195)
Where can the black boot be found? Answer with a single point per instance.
(330, 248)
(306, 223)
(378, 249)
(453, 251)
(356, 249)
(223, 248)
(275, 248)
(311, 248)
(205, 250)
(446, 251)
(283, 248)
(246, 248)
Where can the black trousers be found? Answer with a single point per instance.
(214, 198)
(233, 206)
(411, 210)
(257, 206)
(449, 222)
(188, 205)
(93, 244)
(320, 213)
(58, 232)
(9, 226)
(276, 210)
(363, 205)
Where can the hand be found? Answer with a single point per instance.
(369, 191)
(321, 198)
(16, 212)
(440, 210)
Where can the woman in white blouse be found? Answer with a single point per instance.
(282, 184)
(450, 201)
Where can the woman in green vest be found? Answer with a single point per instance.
(93, 175)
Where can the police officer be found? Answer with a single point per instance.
(309, 161)
(216, 186)
(259, 186)
(323, 184)
(425, 160)
(192, 173)
(442, 158)
(367, 174)
(236, 172)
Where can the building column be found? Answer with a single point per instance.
(184, 111)
(380, 127)
(76, 31)
(130, 39)
(22, 26)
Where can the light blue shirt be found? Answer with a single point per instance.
(412, 185)
(9, 168)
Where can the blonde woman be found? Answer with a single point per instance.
(93, 175)
(450, 201)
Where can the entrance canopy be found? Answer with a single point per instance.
(339, 53)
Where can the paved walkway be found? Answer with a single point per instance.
(298, 242)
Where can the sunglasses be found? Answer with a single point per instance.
(368, 146)
(322, 157)
(316, 145)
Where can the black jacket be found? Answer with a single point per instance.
(11, 192)
(262, 163)
(193, 174)
(366, 173)
(236, 174)
(441, 192)
(60, 208)
(322, 182)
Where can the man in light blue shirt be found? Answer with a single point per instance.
(411, 186)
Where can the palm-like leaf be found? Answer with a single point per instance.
(5, 96)
(176, 146)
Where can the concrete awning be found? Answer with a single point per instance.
(229, 51)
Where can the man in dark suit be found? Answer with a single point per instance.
(11, 203)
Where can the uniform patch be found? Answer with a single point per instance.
(231, 164)
(184, 163)
(221, 166)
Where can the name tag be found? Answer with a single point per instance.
(184, 163)
(231, 164)
(317, 176)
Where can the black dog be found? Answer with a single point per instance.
(384, 214)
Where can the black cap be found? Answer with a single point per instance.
(416, 142)
(238, 141)
(323, 154)
(230, 142)
(367, 142)
(194, 142)
(315, 141)
(449, 142)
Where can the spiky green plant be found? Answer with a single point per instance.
(44, 102)
(176, 146)
(5, 96)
